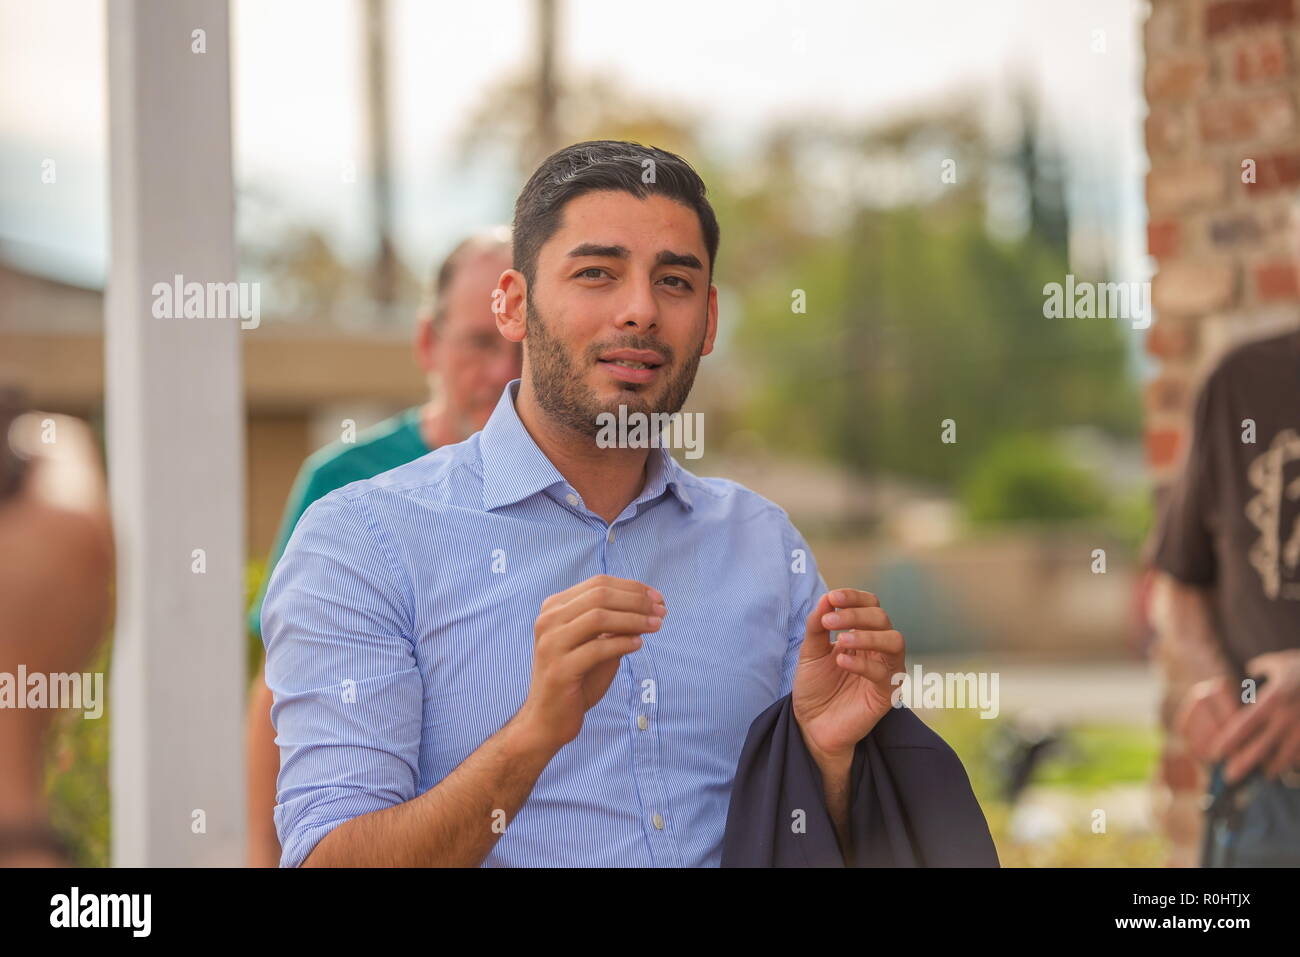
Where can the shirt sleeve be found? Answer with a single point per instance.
(806, 588)
(1184, 544)
(348, 696)
(307, 488)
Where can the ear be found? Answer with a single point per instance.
(426, 343)
(510, 305)
(712, 331)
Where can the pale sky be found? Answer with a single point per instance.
(739, 65)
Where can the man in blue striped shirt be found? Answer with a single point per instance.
(530, 648)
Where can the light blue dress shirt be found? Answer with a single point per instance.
(399, 636)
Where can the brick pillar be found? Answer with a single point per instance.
(1224, 143)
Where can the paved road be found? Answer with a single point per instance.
(1121, 691)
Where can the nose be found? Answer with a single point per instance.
(640, 309)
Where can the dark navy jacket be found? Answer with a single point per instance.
(911, 803)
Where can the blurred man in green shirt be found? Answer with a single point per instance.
(468, 363)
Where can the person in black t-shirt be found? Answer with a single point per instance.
(1228, 553)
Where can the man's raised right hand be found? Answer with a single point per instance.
(580, 636)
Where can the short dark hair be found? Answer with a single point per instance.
(603, 165)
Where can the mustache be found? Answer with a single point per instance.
(647, 343)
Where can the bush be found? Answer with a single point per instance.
(1026, 478)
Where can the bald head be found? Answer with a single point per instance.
(464, 356)
(483, 249)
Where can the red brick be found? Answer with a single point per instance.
(1260, 59)
(1166, 130)
(1166, 393)
(1234, 14)
(1167, 26)
(1190, 288)
(1275, 171)
(1246, 118)
(1162, 238)
(1235, 229)
(1162, 447)
(1180, 186)
(1171, 339)
(1179, 77)
(1276, 280)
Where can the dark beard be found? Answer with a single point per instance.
(558, 386)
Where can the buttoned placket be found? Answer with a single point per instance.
(637, 668)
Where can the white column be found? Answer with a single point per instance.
(173, 396)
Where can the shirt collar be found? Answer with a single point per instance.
(515, 468)
(662, 473)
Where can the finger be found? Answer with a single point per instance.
(1204, 711)
(867, 618)
(1267, 663)
(813, 626)
(1190, 708)
(601, 621)
(578, 662)
(832, 600)
(612, 596)
(886, 642)
(816, 639)
(870, 668)
(1240, 728)
(1197, 730)
(1287, 754)
(1252, 753)
(853, 598)
(560, 599)
(1222, 702)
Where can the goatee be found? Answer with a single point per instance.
(560, 388)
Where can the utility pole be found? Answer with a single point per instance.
(546, 133)
(384, 270)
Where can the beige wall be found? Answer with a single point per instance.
(288, 379)
(276, 446)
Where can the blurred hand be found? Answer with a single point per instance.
(1206, 708)
(1265, 733)
(841, 691)
(57, 547)
(56, 562)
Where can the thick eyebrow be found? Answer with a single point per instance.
(596, 249)
(669, 258)
(665, 258)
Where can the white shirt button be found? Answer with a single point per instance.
(571, 498)
(641, 722)
(658, 820)
(610, 538)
